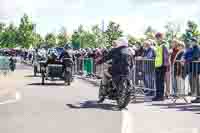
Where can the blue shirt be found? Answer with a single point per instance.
(188, 54)
(149, 53)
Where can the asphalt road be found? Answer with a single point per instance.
(55, 108)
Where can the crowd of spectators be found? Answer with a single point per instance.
(170, 65)
(158, 64)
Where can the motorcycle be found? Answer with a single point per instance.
(122, 94)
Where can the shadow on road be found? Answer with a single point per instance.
(47, 84)
(167, 104)
(179, 106)
(93, 104)
(31, 76)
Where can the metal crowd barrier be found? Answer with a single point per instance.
(184, 77)
(185, 80)
(87, 66)
(143, 77)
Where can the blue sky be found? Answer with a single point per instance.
(133, 15)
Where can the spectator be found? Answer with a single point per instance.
(187, 59)
(195, 70)
(139, 51)
(149, 55)
(176, 68)
(161, 63)
(167, 73)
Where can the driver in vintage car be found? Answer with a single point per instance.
(52, 59)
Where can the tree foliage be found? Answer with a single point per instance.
(38, 40)
(191, 31)
(100, 37)
(172, 31)
(24, 35)
(75, 40)
(26, 32)
(132, 40)
(113, 32)
(150, 33)
(62, 37)
(9, 36)
(50, 39)
(88, 38)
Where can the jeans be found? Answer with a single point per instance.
(160, 76)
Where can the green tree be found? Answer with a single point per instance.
(83, 39)
(9, 36)
(172, 31)
(75, 40)
(113, 32)
(192, 27)
(132, 40)
(87, 40)
(150, 32)
(50, 39)
(26, 32)
(78, 36)
(2, 28)
(38, 40)
(100, 38)
(62, 37)
(191, 31)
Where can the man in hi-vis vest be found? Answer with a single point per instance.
(161, 63)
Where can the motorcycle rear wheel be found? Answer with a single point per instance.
(101, 95)
(124, 96)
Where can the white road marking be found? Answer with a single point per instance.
(14, 100)
(127, 122)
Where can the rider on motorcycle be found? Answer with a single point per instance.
(121, 61)
(67, 56)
